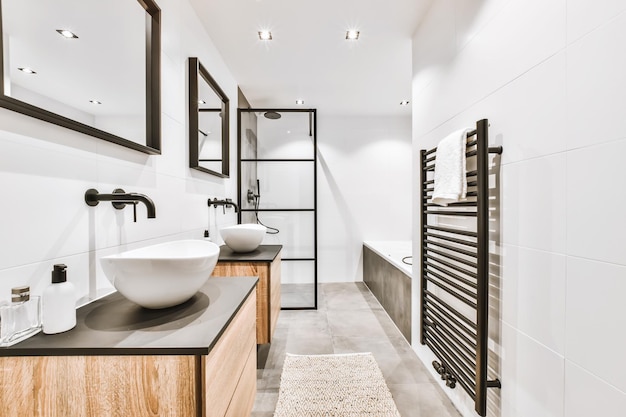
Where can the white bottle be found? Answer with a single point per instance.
(59, 303)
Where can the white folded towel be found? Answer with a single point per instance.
(450, 180)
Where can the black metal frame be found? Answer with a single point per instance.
(197, 71)
(313, 133)
(153, 92)
(455, 262)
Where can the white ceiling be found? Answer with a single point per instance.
(310, 58)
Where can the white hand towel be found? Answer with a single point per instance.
(450, 169)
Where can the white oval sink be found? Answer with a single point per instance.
(162, 275)
(243, 237)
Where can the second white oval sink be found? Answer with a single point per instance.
(162, 275)
(243, 237)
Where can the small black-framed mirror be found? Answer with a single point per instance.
(89, 66)
(208, 122)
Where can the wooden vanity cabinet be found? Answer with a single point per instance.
(220, 384)
(268, 289)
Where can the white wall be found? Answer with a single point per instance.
(364, 178)
(45, 171)
(549, 76)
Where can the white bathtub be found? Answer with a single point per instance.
(394, 251)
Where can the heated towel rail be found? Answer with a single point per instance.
(455, 273)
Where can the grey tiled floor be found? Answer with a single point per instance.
(350, 319)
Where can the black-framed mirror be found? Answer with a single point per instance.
(208, 122)
(90, 66)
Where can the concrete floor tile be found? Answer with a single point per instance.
(422, 400)
(353, 344)
(303, 325)
(268, 379)
(297, 295)
(310, 345)
(354, 323)
(265, 401)
(350, 319)
(345, 298)
(276, 355)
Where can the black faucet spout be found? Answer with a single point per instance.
(150, 207)
(120, 198)
(226, 202)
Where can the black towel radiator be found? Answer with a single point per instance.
(455, 274)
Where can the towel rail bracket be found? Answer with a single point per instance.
(494, 383)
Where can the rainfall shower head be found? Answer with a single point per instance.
(272, 115)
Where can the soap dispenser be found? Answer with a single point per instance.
(59, 303)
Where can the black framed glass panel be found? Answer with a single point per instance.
(278, 188)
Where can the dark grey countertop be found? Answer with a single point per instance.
(115, 326)
(264, 253)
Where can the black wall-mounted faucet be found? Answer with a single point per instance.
(119, 198)
(224, 203)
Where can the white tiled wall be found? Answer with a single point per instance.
(549, 76)
(531, 377)
(364, 178)
(535, 278)
(595, 67)
(45, 171)
(588, 395)
(596, 315)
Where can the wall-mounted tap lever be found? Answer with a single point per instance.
(119, 198)
(224, 203)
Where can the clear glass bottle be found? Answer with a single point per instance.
(21, 319)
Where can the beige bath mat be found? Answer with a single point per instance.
(349, 385)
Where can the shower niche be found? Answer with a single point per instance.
(277, 187)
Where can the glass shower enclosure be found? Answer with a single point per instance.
(277, 187)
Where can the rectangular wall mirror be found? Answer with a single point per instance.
(91, 66)
(208, 122)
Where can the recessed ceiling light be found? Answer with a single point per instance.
(27, 70)
(67, 34)
(265, 35)
(404, 103)
(352, 35)
(299, 102)
(95, 102)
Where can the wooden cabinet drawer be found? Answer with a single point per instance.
(63, 386)
(245, 393)
(223, 367)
